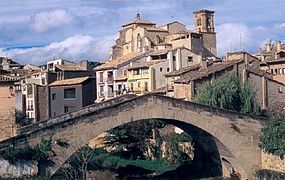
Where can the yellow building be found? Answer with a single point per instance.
(141, 76)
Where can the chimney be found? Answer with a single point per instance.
(278, 46)
(200, 58)
(268, 46)
(84, 64)
(203, 65)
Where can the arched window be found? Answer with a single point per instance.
(157, 39)
(139, 43)
(208, 23)
(199, 22)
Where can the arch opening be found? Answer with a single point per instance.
(210, 155)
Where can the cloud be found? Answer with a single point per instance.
(232, 37)
(14, 19)
(44, 21)
(73, 48)
(279, 26)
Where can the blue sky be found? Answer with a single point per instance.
(33, 31)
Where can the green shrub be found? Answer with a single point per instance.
(273, 137)
(40, 152)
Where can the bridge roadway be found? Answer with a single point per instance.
(239, 133)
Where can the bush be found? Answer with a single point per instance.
(273, 137)
(41, 152)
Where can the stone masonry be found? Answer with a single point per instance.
(242, 140)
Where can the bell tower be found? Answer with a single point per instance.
(204, 24)
(204, 21)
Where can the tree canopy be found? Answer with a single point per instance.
(227, 92)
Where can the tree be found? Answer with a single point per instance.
(77, 166)
(249, 104)
(273, 137)
(132, 136)
(226, 92)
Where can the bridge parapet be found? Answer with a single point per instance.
(74, 114)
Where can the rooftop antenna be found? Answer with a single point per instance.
(240, 41)
(245, 43)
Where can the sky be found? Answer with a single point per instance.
(35, 31)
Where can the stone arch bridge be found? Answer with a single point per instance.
(239, 133)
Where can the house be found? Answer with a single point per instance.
(111, 77)
(143, 77)
(272, 59)
(146, 76)
(71, 94)
(35, 89)
(269, 92)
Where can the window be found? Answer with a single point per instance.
(199, 22)
(144, 71)
(168, 69)
(190, 59)
(132, 86)
(139, 43)
(145, 86)
(125, 72)
(160, 69)
(110, 76)
(280, 71)
(69, 93)
(283, 70)
(101, 91)
(53, 96)
(32, 104)
(139, 84)
(280, 89)
(65, 109)
(119, 89)
(101, 76)
(136, 72)
(110, 90)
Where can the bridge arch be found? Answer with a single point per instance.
(238, 133)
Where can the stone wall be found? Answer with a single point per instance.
(7, 112)
(19, 169)
(272, 162)
(41, 103)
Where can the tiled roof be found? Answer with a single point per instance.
(67, 82)
(145, 64)
(159, 52)
(198, 74)
(160, 90)
(70, 67)
(181, 32)
(139, 21)
(114, 63)
(157, 29)
(164, 44)
(184, 70)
